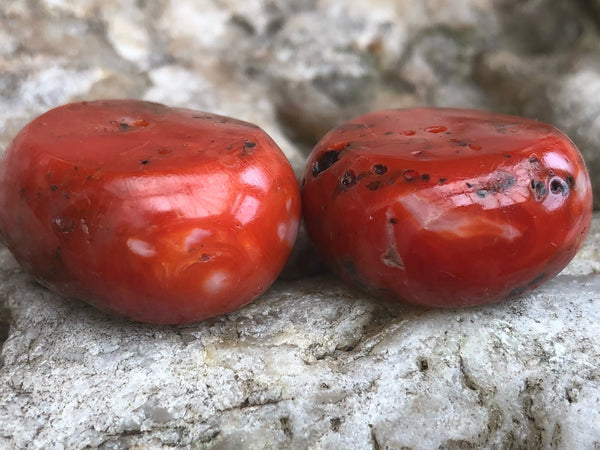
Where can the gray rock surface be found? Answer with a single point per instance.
(312, 364)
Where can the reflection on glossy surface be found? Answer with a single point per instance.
(446, 207)
(163, 215)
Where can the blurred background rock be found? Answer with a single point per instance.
(300, 67)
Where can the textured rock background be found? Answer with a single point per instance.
(312, 364)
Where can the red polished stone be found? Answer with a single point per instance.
(446, 207)
(163, 215)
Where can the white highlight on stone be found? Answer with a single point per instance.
(254, 176)
(287, 232)
(247, 208)
(195, 237)
(557, 161)
(216, 282)
(181, 194)
(141, 248)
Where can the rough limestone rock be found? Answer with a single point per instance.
(312, 364)
(309, 365)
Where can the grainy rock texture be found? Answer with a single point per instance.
(309, 365)
(312, 364)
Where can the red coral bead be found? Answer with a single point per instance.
(446, 207)
(162, 215)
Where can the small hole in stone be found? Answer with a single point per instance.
(325, 161)
(348, 180)
(423, 365)
(559, 186)
(379, 169)
(539, 189)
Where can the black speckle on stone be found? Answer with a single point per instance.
(143, 162)
(423, 365)
(506, 182)
(379, 169)
(388, 133)
(65, 195)
(539, 189)
(469, 185)
(54, 188)
(374, 185)
(393, 220)
(442, 180)
(248, 148)
(506, 155)
(348, 180)
(570, 180)
(425, 177)
(325, 161)
(482, 193)
(533, 159)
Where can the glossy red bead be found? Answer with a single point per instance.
(163, 215)
(446, 207)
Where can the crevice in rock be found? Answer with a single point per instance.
(286, 427)
(249, 403)
(534, 431)
(485, 399)
(374, 441)
(468, 380)
(6, 320)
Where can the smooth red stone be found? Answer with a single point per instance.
(162, 215)
(446, 207)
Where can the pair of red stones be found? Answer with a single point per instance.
(171, 216)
